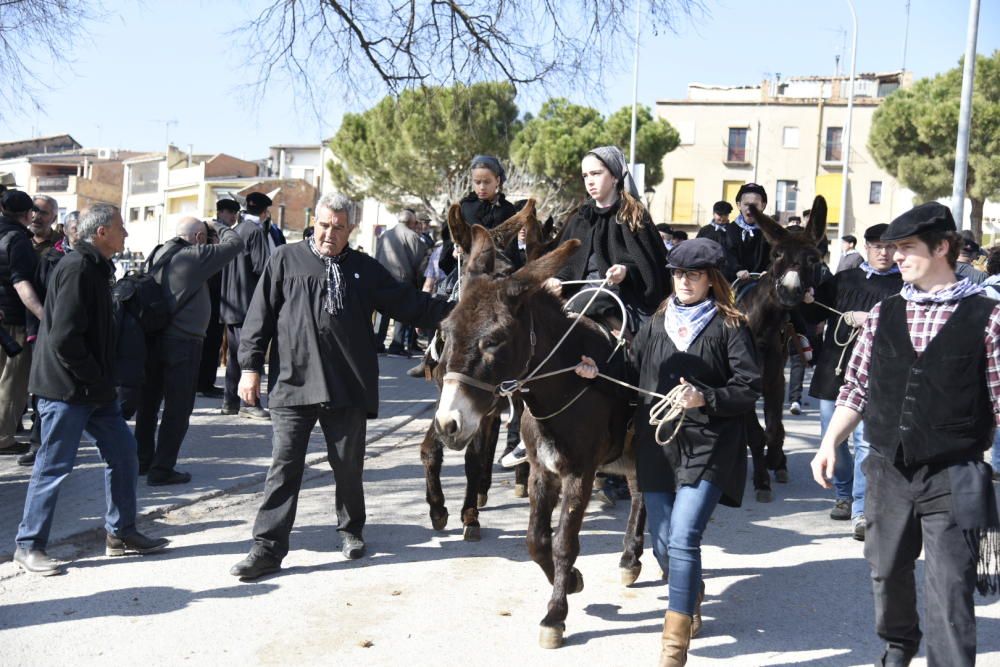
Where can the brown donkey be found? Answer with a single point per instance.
(501, 330)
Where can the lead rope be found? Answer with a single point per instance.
(851, 336)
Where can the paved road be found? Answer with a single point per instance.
(785, 585)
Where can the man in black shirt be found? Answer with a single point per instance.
(18, 263)
(314, 303)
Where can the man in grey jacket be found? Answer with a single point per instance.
(401, 251)
(174, 359)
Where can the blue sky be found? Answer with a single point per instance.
(156, 61)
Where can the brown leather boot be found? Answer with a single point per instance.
(676, 639)
(696, 618)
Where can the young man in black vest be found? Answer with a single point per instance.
(925, 376)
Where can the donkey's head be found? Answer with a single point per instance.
(796, 262)
(490, 337)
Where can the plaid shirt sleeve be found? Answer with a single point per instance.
(993, 361)
(854, 391)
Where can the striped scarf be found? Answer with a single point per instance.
(746, 229)
(334, 301)
(684, 323)
(954, 292)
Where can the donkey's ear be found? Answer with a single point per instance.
(548, 227)
(482, 256)
(816, 227)
(534, 239)
(461, 234)
(773, 232)
(533, 274)
(504, 233)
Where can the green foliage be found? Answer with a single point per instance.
(414, 146)
(551, 144)
(915, 129)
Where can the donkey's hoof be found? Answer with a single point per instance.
(781, 476)
(578, 578)
(439, 521)
(471, 533)
(481, 499)
(549, 637)
(630, 574)
(520, 490)
(764, 495)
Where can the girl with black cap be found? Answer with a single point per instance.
(619, 241)
(698, 340)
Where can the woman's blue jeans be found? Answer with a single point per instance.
(676, 522)
(996, 451)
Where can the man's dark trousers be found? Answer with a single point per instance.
(906, 508)
(171, 378)
(344, 430)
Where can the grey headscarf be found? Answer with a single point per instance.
(614, 160)
(491, 163)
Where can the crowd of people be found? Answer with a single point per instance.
(905, 334)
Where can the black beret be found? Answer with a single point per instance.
(929, 217)
(227, 205)
(696, 254)
(17, 201)
(722, 207)
(258, 200)
(874, 233)
(750, 189)
(665, 228)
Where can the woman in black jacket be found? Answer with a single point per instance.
(696, 339)
(618, 241)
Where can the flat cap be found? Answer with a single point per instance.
(723, 207)
(227, 205)
(258, 200)
(929, 217)
(17, 201)
(700, 253)
(875, 232)
(751, 189)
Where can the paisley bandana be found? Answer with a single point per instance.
(956, 292)
(872, 271)
(334, 301)
(746, 229)
(684, 323)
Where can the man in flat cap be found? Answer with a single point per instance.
(750, 250)
(925, 376)
(18, 297)
(239, 280)
(226, 213)
(966, 255)
(853, 292)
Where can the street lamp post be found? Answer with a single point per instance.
(635, 88)
(844, 227)
(965, 120)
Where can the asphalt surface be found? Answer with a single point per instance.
(785, 584)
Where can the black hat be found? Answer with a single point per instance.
(750, 189)
(700, 253)
(258, 200)
(17, 201)
(929, 217)
(227, 205)
(723, 207)
(874, 233)
(664, 228)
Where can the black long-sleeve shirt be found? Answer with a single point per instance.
(324, 358)
(240, 276)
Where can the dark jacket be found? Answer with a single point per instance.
(47, 261)
(752, 253)
(712, 443)
(847, 290)
(727, 237)
(240, 276)
(935, 408)
(18, 263)
(606, 242)
(475, 211)
(74, 355)
(327, 359)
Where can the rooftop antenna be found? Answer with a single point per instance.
(906, 34)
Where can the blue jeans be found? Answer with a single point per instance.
(996, 451)
(848, 477)
(676, 523)
(62, 426)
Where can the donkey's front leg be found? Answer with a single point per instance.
(774, 402)
(565, 548)
(630, 564)
(431, 455)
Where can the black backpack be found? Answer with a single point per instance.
(139, 294)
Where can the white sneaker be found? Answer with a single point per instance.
(515, 457)
(795, 408)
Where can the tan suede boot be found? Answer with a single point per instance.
(696, 619)
(676, 639)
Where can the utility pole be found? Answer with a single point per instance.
(906, 34)
(635, 88)
(965, 120)
(844, 227)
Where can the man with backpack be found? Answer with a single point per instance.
(182, 267)
(72, 376)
